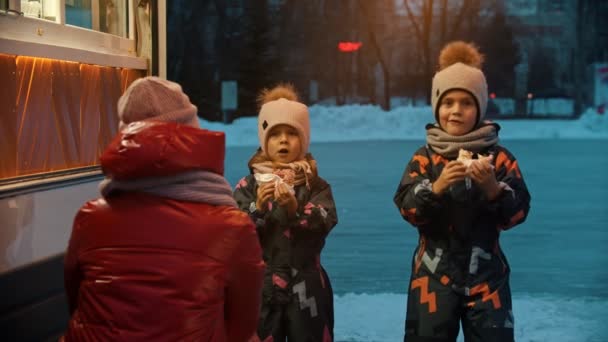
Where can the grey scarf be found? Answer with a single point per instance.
(193, 186)
(448, 145)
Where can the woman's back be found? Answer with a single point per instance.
(152, 268)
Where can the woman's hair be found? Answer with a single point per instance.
(281, 90)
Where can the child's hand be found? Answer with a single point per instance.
(264, 194)
(482, 173)
(286, 199)
(453, 172)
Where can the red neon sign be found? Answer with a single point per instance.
(349, 46)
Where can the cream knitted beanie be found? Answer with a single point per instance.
(460, 68)
(153, 98)
(281, 106)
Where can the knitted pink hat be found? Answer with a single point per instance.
(155, 99)
(284, 110)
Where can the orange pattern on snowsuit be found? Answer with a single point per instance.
(484, 289)
(425, 295)
(422, 162)
(509, 164)
(437, 158)
(513, 220)
(410, 216)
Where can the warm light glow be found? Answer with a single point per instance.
(62, 113)
(492, 95)
(530, 95)
(349, 46)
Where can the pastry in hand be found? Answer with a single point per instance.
(465, 157)
(281, 176)
(287, 175)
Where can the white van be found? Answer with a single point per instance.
(63, 66)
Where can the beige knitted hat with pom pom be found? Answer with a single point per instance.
(460, 68)
(280, 106)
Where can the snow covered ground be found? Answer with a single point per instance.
(380, 318)
(367, 122)
(574, 314)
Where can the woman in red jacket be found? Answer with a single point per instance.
(165, 254)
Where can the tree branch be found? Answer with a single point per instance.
(459, 18)
(374, 42)
(443, 21)
(410, 15)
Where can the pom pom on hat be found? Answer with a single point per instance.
(155, 99)
(281, 91)
(460, 68)
(280, 106)
(462, 52)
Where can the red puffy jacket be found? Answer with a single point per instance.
(146, 268)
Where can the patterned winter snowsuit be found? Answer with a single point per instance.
(297, 298)
(459, 272)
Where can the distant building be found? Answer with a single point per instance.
(558, 40)
(545, 30)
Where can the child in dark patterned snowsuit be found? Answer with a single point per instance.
(460, 207)
(294, 211)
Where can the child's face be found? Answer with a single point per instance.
(283, 144)
(457, 112)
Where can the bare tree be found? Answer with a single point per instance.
(582, 11)
(430, 36)
(370, 15)
(304, 39)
